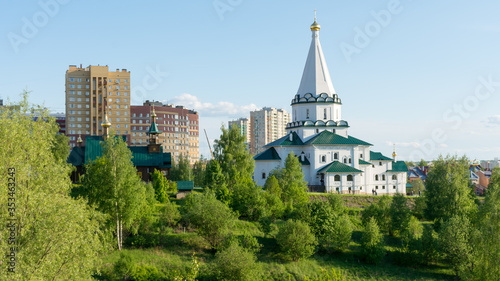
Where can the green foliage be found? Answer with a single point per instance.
(182, 170)
(211, 218)
(193, 272)
(236, 263)
(411, 234)
(248, 200)
(215, 180)
(447, 190)
(339, 236)
(371, 242)
(455, 241)
(112, 185)
(162, 186)
(422, 163)
(418, 184)
(145, 272)
(274, 206)
(57, 237)
(487, 244)
(296, 240)
(291, 181)
(400, 214)
(169, 215)
(60, 148)
(419, 208)
(235, 161)
(381, 213)
(199, 172)
(124, 268)
(250, 243)
(428, 245)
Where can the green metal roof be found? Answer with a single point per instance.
(140, 155)
(409, 185)
(337, 167)
(268, 154)
(153, 129)
(327, 137)
(185, 185)
(363, 162)
(398, 166)
(378, 156)
(286, 140)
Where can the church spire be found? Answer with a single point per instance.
(315, 78)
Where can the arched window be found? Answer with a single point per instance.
(323, 158)
(263, 175)
(337, 178)
(345, 160)
(324, 113)
(350, 161)
(349, 177)
(335, 156)
(383, 177)
(394, 177)
(376, 177)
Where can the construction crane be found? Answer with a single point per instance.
(209, 147)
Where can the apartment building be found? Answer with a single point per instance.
(92, 92)
(179, 127)
(267, 125)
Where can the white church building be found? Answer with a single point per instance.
(331, 159)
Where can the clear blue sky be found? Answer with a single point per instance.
(415, 82)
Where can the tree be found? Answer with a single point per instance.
(381, 212)
(112, 185)
(211, 218)
(447, 190)
(236, 263)
(291, 181)
(422, 163)
(400, 214)
(371, 242)
(488, 243)
(455, 241)
(272, 195)
(182, 170)
(60, 147)
(216, 181)
(199, 172)
(162, 186)
(57, 237)
(235, 161)
(169, 214)
(339, 236)
(296, 240)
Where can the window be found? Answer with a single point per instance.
(323, 158)
(87, 93)
(263, 175)
(383, 177)
(117, 100)
(336, 178)
(383, 186)
(79, 80)
(71, 92)
(133, 115)
(394, 177)
(349, 177)
(71, 86)
(110, 99)
(126, 87)
(79, 93)
(335, 156)
(87, 86)
(117, 80)
(380, 163)
(79, 86)
(393, 187)
(361, 156)
(376, 177)
(110, 80)
(117, 87)
(87, 80)
(307, 113)
(350, 161)
(71, 79)
(324, 113)
(126, 94)
(345, 160)
(376, 187)
(125, 80)
(71, 99)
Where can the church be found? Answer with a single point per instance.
(331, 159)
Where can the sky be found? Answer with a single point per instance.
(424, 75)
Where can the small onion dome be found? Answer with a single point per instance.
(153, 114)
(394, 154)
(79, 140)
(315, 26)
(106, 123)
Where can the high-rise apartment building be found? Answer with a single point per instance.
(179, 127)
(244, 128)
(92, 92)
(267, 125)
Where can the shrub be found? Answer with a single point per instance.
(169, 215)
(235, 263)
(296, 240)
(124, 268)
